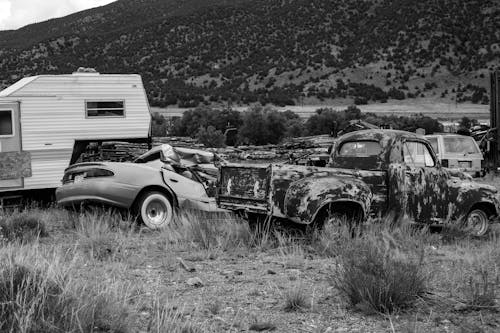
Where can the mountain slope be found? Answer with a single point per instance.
(283, 51)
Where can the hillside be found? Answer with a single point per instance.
(280, 51)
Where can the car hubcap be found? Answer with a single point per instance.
(156, 212)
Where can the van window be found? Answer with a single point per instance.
(434, 144)
(416, 154)
(360, 149)
(461, 145)
(6, 128)
(105, 109)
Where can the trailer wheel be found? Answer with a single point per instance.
(155, 210)
(477, 222)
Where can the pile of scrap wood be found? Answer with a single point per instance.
(178, 141)
(113, 152)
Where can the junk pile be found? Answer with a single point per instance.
(311, 150)
(113, 151)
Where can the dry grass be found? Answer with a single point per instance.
(97, 272)
(22, 227)
(39, 293)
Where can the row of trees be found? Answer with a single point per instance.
(264, 125)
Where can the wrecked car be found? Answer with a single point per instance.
(370, 173)
(153, 187)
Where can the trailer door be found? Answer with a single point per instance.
(11, 164)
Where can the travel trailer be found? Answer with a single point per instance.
(46, 121)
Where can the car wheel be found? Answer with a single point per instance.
(477, 222)
(155, 210)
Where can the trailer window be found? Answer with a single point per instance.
(6, 128)
(105, 109)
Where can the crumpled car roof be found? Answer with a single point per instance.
(188, 156)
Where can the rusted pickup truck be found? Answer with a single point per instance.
(370, 173)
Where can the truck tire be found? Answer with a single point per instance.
(477, 222)
(351, 220)
(155, 210)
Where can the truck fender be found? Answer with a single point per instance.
(305, 198)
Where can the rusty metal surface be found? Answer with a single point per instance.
(377, 184)
(14, 165)
(244, 182)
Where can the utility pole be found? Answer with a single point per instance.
(494, 118)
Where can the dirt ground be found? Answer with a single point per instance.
(247, 289)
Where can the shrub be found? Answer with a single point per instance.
(22, 227)
(376, 273)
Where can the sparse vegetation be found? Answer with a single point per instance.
(99, 272)
(22, 227)
(269, 51)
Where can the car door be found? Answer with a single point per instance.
(425, 182)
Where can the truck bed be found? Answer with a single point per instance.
(262, 188)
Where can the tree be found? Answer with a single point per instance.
(158, 124)
(211, 137)
(467, 123)
(204, 116)
(262, 126)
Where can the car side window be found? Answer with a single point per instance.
(417, 154)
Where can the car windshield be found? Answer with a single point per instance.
(360, 149)
(463, 145)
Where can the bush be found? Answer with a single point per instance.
(211, 137)
(375, 274)
(23, 227)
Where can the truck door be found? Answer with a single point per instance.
(426, 183)
(11, 157)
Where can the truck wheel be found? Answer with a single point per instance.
(477, 222)
(155, 210)
(339, 219)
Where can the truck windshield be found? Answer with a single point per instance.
(360, 149)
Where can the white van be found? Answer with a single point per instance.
(458, 152)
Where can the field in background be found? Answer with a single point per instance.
(435, 109)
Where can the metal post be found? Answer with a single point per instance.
(494, 117)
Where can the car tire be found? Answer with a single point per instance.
(155, 210)
(477, 222)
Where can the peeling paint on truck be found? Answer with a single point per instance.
(376, 171)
